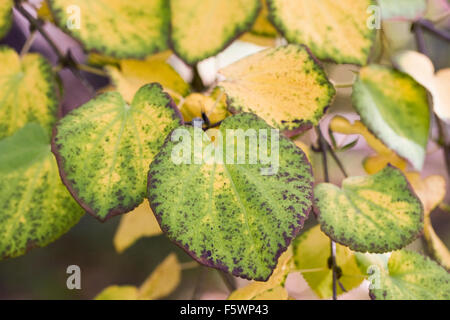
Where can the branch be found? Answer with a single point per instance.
(430, 27)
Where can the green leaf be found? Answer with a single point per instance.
(395, 108)
(284, 86)
(402, 9)
(104, 148)
(411, 276)
(36, 208)
(122, 29)
(5, 16)
(238, 218)
(377, 213)
(28, 92)
(333, 30)
(312, 250)
(201, 29)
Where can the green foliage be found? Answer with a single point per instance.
(377, 213)
(230, 216)
(104, 148)
(5, 16)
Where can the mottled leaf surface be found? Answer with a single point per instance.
(395, 108)
(28, 92)
(35, 207)
(311, 256)
(411, 276)
(377, 213)
(122, 29)
(333, 30)
(5, 16)
(230, 216)
(284, 86)
(104, 148)
(203, 28)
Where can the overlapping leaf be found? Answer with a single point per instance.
(395, 108)
(5, 16)
(410, 276)
(312, 250)
(28, 92)
(377, 213)
(201, 29)
(235, 217)
(213, 106)
(35, 207)
(333, 30)
(104, 148)
(284, 86)
(122, 29)
(263, 27)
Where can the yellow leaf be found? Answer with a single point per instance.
(44, 12)
(259, 40)
(262, 26)
(213, 106)
(431, 192)
(163, 280)
(118, 293)
(139, 223)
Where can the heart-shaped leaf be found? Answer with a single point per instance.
(5, 16)
(36, 208)
(312, 251)
(377, 213)
(203, 29)
(284, 86)
(402, 10)
(28, 92)
(122, 29)
(395, 108)
(232, 212)
(411, 276)
(333, 30)
(104, 148)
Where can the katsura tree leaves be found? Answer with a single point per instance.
(238, 218)
(133, 74)
(273, 289)
(312, 250)
(410, 276)
(122, 29)
(421, 68)
(431, 192)
(263, 27)
(395, 108)
(134, 225)
(6, 7)
(35, 207)
(28, 92)
(402, 9)
(213, 106)
(161, 282)
(377, 213)
(333, 30)
(104, 148)
(285, 86)
(201, 29)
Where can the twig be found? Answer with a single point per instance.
(28, 43)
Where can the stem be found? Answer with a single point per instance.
(430, 27)
(92, 70)
(27, 45)
(197, 82)
(420, 40)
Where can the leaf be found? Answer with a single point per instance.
(238, 218)
(133, 74)
(366, 261)
(203, 29)
(163, 280)
(285, 86)
(6, 7)
(118, 293)
(377, 213)
(312, 251)
(411, 276)
(27, 92)
(402, 10)
(259, 40)
(333, 30)
(121, 29)
(104, 148)
(273, 289)
(431, 192)
(137, 224)
(263, 27)
(421, 68)
(395, 108)
(214, 107)
(44, 12)
(384, 156)
(36, 208)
